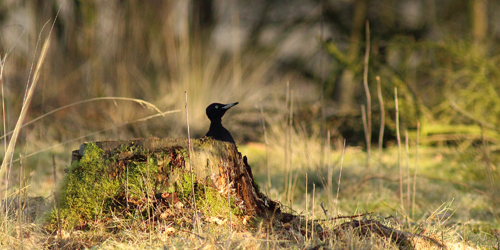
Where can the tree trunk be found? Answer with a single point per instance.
(479, 19)
(346, 92)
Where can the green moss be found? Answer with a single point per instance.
(211, 203)
(138, 177)
(183, 186)
(95, 183)
(87, 190)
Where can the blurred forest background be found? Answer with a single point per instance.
(442, 56)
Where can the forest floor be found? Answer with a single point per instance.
(447, 202)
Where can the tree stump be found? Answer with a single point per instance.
(158, 178)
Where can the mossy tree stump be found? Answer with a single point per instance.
(155, 177)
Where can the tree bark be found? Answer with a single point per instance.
(346, 92)
(479, 20)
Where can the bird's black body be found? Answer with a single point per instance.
(215, 111)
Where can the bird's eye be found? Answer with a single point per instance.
(216, 106)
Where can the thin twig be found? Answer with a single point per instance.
(368, 117)
(307, 206)
(330, 170)
(19, 208)
(399, 148)
(343, 217)
(324, 210)
(285, 146)
(56, 203)
(312, 225)
(126, 189)
(290, 153)
(322, 94)
(148, 198)
(267, 149)
(365, 128)
(382, 119)
(408, 172)
(195, 219)
(340, 176)
(415, 172)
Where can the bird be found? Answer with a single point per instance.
(215, 111)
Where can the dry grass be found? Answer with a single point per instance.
(375, 233)
(448, 222)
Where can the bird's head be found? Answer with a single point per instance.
(215, 111)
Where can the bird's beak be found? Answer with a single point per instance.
(228, 106)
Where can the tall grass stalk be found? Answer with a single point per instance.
(4, 114)
(312, 218)
(267, 148)
(415, 172)
(2, 68)
(290, 153)
(111, 98)
(148, 199)
(307, 206)
(100, 131)
(340, 176)
(127, 188)
(295, 183)
(382, 119)
(322, 93)
(56, 203)
(19, 210)
(408, 173)
(9, 153)
(368, 117)
(365, 128)
(195, 215)
(187, 124)
(399, 149)
(285, 146)
(330, 170)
